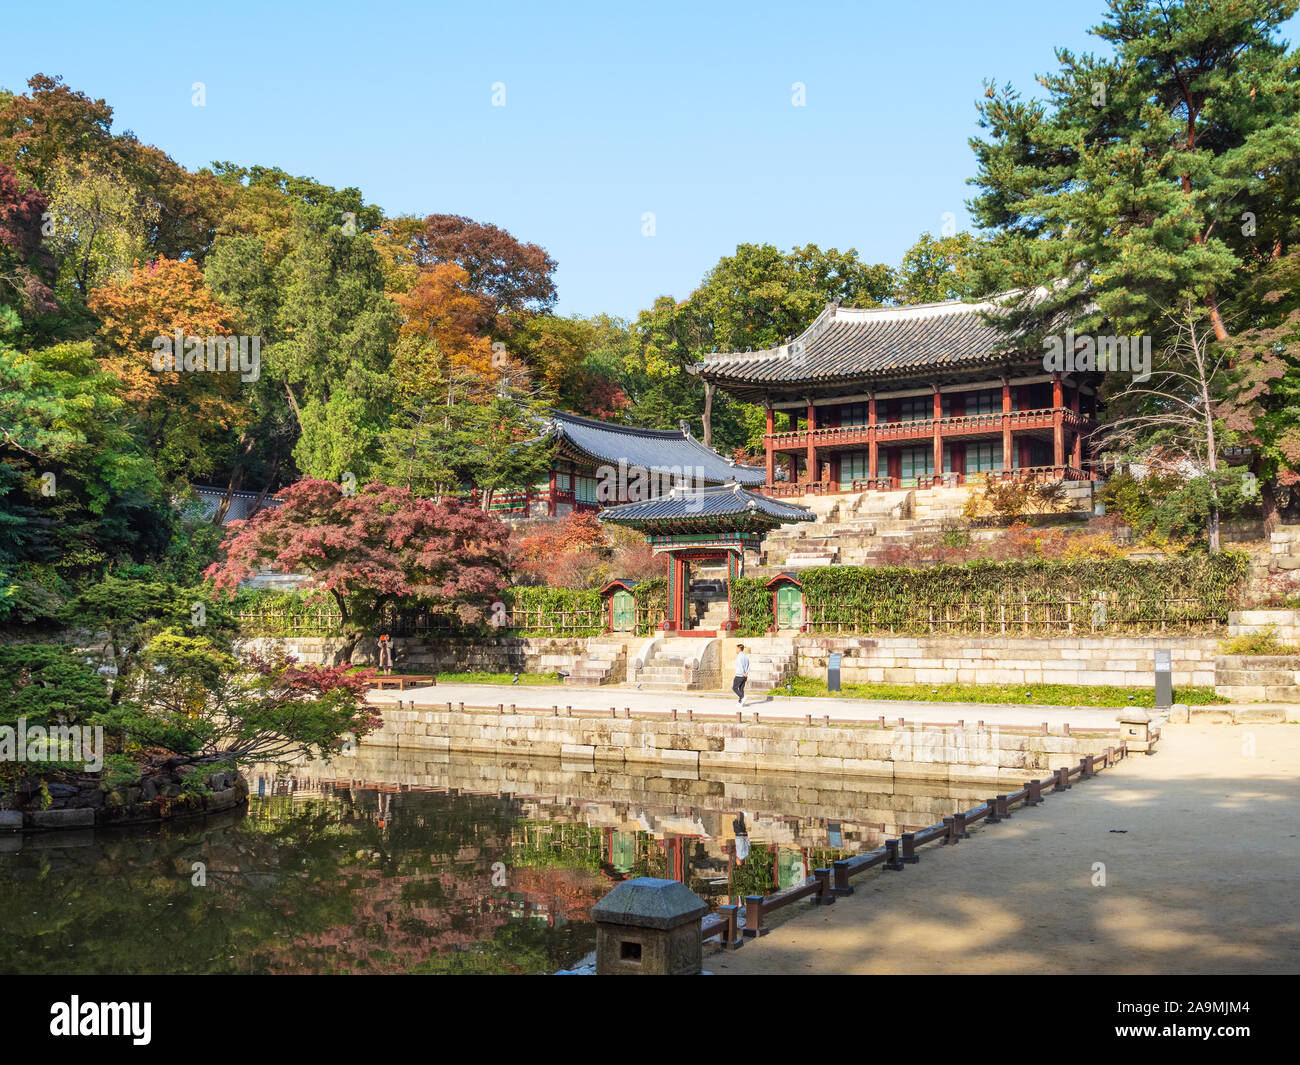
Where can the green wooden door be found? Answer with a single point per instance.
(789, 607)
(624, 612)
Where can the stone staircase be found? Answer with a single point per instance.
(853, 529)
(604, 662)
(772, 661)
(709, 602)
(680, 663)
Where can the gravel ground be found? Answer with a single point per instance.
(1200, 845)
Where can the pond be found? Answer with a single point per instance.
(390, 861)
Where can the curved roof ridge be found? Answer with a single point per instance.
(636, 430)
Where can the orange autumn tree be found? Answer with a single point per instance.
(443, 333)
(184, 418)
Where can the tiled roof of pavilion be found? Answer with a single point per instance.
(664, 451)
(845, 344)
(708, 504)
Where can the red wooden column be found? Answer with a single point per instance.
(938, 438)
(1076, 449)
(1058, 419)
(873, 448)
(811, 473)
(1006, 424)
(734, 565)
(810, 456)
(767, 443)
(550, 496)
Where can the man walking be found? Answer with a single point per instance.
(742, 673)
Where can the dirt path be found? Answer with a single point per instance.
(1204, 878)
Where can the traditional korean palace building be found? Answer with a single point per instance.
(599, 464)
(902, 397)
(692, 527)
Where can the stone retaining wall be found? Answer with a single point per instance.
(416, 654)
(781, 808)
(1285, 624)
(929, 753)
(1258, 678)
(1127, 661)
(128, 806)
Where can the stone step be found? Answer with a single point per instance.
(1259, 693)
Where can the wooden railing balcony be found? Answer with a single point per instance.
(1034, 474)
(923, 429)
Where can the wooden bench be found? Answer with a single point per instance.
(402, 681)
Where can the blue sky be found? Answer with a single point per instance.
(611, 110)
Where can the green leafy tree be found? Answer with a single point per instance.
(336, 325)
(190, 696)
(77, 491)
(1162, 173)
(937, 269)
(1260, 408)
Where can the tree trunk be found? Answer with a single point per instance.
(1216, 319)
(1267, 502)
(709, 389)
(261, 496)
(1212, 459)
(293, 404)
(236, 479)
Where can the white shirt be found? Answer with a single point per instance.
(742, 664)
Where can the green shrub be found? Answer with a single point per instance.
(751, 599)
(651, 598)
(556, 611)
(1140, 594)
(1257, 643)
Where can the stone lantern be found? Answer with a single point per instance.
(649, 927)
(1137, 731)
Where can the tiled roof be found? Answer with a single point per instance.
(658, 450)
(241, 503)
(845, 343)
(722, 501)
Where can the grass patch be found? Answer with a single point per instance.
(498, 678)
(1025, 694)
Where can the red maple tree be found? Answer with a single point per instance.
(379, 546)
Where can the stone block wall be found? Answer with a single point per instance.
(1128, 661)
(493, 654)
(1284, 548)
(919, 753)
(1258, 678)
(782, 808)
(1285, 624)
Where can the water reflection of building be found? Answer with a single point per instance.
(618, 825)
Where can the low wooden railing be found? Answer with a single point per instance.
(922, 428)
(1034, 474)
(894, 855)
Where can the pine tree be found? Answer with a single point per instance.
(1164, 172)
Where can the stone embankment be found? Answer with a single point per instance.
(930, 752)
(160, 798)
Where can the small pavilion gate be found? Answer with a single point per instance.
(692, 526)
(787, 603)
(620, 606)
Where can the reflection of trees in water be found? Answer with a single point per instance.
(314, 883)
